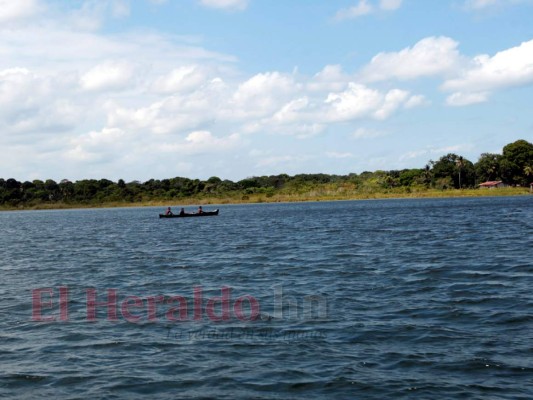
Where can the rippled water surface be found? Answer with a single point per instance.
(371, 299)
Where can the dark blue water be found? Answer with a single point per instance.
(423, 299)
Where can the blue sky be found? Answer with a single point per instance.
(235, 88)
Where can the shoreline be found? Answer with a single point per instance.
(283, 198)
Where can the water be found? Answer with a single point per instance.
(370, 299)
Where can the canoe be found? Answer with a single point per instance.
(203, 214)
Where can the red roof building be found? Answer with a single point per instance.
(492, 184)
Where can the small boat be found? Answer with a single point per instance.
(202, 214)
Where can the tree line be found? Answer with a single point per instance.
(514, 167)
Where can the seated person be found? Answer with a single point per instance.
(169, 211)
(182, 211)
(200, 210)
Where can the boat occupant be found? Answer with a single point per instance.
(200, 210)
(169, 211)
(182, 211)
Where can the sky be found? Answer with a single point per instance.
(141, 89)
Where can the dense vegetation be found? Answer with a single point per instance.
(514, 166)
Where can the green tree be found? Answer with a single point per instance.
(408, 177)
(517, 155)
(454, 167)
(488, 167)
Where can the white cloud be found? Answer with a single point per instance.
(355, 102)
(29, 103)
(429, 57)
(13, 10)
(508, 68)
(362, 8)
(201, 142)
(360, 101)
(416, 101)
(263, 94)
(108, 76)
(470, 81)
(96, 105)
(392, 101)
(95, 144)
(365, 8)
(331, 78)
(225, 4)
(465, 99)
(290, 112)
(118, 146)
(92, 13)
(182, 79)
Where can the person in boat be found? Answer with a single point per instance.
(182, 211)
(169, 211)
(200, 211)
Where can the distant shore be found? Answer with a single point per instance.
(285, 198)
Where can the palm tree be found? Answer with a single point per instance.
(528, 171)
(460, 163)
(427, 174)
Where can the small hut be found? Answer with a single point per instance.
(492, 185)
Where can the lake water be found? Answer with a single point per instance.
(426, 298)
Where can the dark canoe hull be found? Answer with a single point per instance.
(204, 214)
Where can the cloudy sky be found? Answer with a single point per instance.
(140, 89)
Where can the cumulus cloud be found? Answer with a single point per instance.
(291, 112)
(416, 101)
(359, 101)
(485, 74)
(470, 80)
(508, 68)
(108, 76)
(29, 103)
(330, 78)
(355, 102)
(93, 103)
(262, 94)
(429, 57)
(182, 79)
(466, 99)
(96, 145)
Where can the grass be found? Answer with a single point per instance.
(326, 193)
